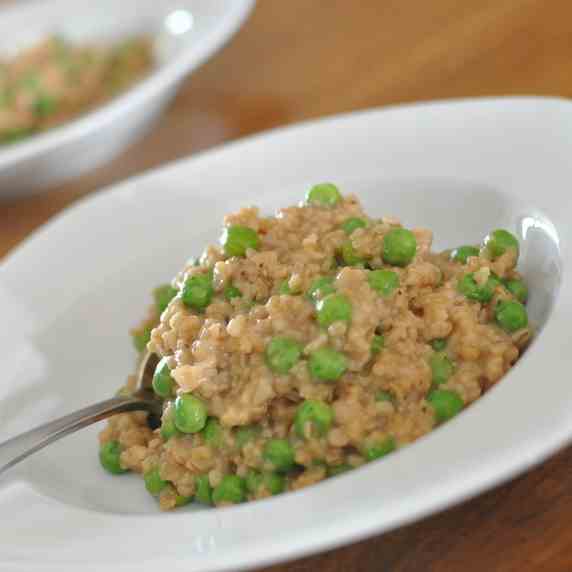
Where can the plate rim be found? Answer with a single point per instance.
(365, 530)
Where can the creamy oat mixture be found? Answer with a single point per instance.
(54, 81)
(310, 343)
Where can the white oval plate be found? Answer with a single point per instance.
(185, 33)
(69, 294)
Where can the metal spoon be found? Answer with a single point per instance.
(17, 448)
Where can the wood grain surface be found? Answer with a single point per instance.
(297, 59)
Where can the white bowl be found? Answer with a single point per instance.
(69, 294)
(186, 33)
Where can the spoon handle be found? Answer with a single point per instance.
(17, 448)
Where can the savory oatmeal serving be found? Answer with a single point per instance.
(310, 343)
(55, 81)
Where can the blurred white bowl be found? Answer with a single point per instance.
(185, 32)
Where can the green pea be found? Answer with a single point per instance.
(6, 98)
(313, 418)
(282, 354)
(16, 134)
(109, 457)
(441, 368)
(349, 255)
(232, 489)
(168, 427)
(446, 404)
(284, 288)
(327, 364)
(280, 453)
(30, 82)
(163, 382)
(439, 344)
(236, 240)
(324, 195)
(45, 105)
(374, 451)
(273, 482)
(377, 343)
(213, 433)
(351, 224)
(245, 434)
(339, 469)
(320, 288)
(253, 481)
(399, 247)
(384, 282)
(141, 338)
(231, 292)
(383, 395)
(153, 481)
(198, 291)
(190, 414)
(182, 500)
(499, 241)
(463, 253)
(518, 289)
(163, 295)
(333, 308)
(203, 489)
(469, 287)
(511, 315)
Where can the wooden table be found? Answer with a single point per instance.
(297, 59)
